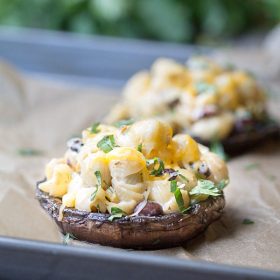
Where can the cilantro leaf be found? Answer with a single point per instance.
(252, 166)
(173, 186)
(183, 177)
(178, 195)
(217, 148)
(247, 221)
(94, 128)
(107, 143)
(116, 213)
(205, 187)
(123, 123)
(203, 87)
(139, 148)
(99, 183)
(221, 185)
(67, 237)
(156, 161)
(98, 177)
(25, 152)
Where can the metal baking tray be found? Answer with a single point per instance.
(70, 58)
(26, 259)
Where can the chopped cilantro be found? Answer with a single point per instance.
(217, 148)
(94, 128)
(156, 161)
(156, 242)
(98, 208)
(183, 177)
(247, 221)
(206, 187)
(107, 143)
(178, 195)
(271, 177)
(116, 213)
(202, 87)
(252, 166)
(99, 183)
(29, 152)
(98, 177)
(139, 148)
(221, 185)
(123, 123)
(67, 237)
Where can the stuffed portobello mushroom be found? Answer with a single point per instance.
(210, 102)
(134, 185)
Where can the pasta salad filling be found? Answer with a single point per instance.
(120, 169)
(202, 98)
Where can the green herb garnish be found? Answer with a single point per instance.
(271, 177)
(247, 221)
(123, 123)
(116, 213)
(107, 143)
(139, 148)
(67, 237)
(183, 177)
(76, 135)
(98, 208)
(156, 242)
(202, 87)
(221, 185)
(29, 152)
(98, 177)
(99, 183)
(178, 195)
(94, 128)
(217, 148)
(156, 161)
(206, 187)
(252, 166)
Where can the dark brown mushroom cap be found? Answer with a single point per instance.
(137, 232)
(239, 142)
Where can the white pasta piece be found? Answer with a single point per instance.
(76, 183)
(119, 112)
(127, 167)
(125, 161)
(71, 158)
(217, 127)
(172, 206)
(188, 178)
(126, 206)
(160, 193)
(95, 162)
(85, 201)
(186, 148)
(58, 183)
(152, 134)
(83, 198)
(51, 165)
(125, 193)
(217, 167)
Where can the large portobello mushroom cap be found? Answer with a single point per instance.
(136, 232)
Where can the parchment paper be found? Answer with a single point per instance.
(43, 115)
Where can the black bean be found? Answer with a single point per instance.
(75, 144)
(151, 209)
(204, 170)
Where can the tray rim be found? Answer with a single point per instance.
(198, 267)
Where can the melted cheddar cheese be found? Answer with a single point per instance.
(122, 167)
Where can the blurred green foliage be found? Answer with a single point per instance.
(169, 20)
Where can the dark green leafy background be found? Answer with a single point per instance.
(168, 20)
